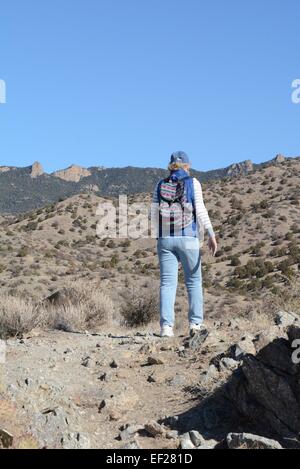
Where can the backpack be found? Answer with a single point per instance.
(176, 211)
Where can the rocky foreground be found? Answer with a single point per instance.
(135, 390)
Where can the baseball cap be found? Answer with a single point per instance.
(179, 157)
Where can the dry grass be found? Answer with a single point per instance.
(17, 316)
(86, 306)
(288, 299)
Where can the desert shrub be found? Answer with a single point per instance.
(140, 310)
(289, 236)
(234, 284)
(31, 226)
(235, 261)
(114, 260)
(23, 252)
(83, 305)
(17, 316)
(236, 203)
(285, 268)
(295, 228)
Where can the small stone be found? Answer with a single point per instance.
(198, 339)
(151, 379)
(196, 438)
(244, 347)
(6, 439)
(103, 377)
(228, 364)
(154, 429)
(28, 381)
(186, 442)
(76, 441)
(128, 432)
(86, 362)
(114, 364)
(155, 360)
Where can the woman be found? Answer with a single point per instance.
(181, 218)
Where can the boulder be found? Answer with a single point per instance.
(244, 347)
(248, 441)
(186, 442)
(196, 438)
(198, 339)
(265, 389)
(286, 319)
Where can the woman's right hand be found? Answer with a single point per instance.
(213, 246)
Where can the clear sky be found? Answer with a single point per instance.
(127, 82)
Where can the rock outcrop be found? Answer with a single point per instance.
(4, 169)
(74, 173)
(279, 159)
(266, 388)
(240, 168)
(36, 170)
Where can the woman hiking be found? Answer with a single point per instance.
(180, 219)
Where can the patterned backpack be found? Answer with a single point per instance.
(176, 211)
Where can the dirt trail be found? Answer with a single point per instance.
(63, 384)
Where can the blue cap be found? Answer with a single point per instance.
(179, 157)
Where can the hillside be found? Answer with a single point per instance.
(24, 189)
(256, 218)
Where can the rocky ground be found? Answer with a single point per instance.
(123, 386)
(136, 390)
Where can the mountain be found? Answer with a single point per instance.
(23, 189)
(255, 217)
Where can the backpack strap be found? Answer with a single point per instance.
(190, 193)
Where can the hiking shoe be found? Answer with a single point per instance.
(195, 328)
(166, 331)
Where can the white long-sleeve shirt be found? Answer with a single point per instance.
(202, 217)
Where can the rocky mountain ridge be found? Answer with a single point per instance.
(23, 189)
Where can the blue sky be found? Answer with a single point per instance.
(126, 82)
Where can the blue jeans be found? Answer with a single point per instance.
(171, 251)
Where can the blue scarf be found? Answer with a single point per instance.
(179, 174)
